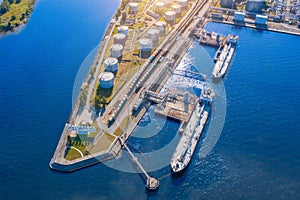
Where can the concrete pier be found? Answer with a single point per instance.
(151, 183)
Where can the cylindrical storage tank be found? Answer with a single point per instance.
(255, 6)
(153, 34)
(183, 3)
(116, 51)
(133, 7)
(161, 26)
(111, 64)
(228, 4)
(120, 38)
(170, 17)
(145, 47)
(167, 2)
(106, 80)
(177, 9)
(160, 5)
(123, 29)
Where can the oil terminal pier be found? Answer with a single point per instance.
(142, 88)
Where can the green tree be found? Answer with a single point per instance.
(4, 7)
(12, 18)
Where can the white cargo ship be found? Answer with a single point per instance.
(192, 132)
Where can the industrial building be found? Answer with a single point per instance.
(239, 17)
(261, 19)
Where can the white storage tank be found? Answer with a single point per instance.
(120, 38)
(183, 3)
(161, 26)
(177, 9)
(167, 2)
(160, 5)
(170, 17)
(124, 30)
(111, 64)
(106, 80)
(133, 7)
(116, 50)
(153, 34)
(145, 47)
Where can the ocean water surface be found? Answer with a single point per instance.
(257, 155)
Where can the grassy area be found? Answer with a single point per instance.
(72, 154)
(14, 14)
(123, 126)
(81, 142)
(103, 144)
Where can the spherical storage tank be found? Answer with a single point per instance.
(111, 64)
(120, 38)
(116, 50)
(255, 6)
(161, 26)
(134, 7)
(123, 29)
(183, 3)
(170, 16)
(153, 34)
(145, 47)
(177, 9)
(106, 80)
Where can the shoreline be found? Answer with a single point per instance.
(13, 27)
(117, 144)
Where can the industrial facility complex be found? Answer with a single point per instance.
(139, 53)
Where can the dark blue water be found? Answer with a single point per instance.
(257, 155)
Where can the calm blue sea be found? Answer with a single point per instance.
(256, 157)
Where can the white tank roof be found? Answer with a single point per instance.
(170, 15)
(120, 36)
(177, 8)
(110, 61)
(160, 4)
(133, 4)
(160, 24)
(116, 47)
(182, 2)
(153, 33)
(145, 41)
(106, 76)
(123, 28)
